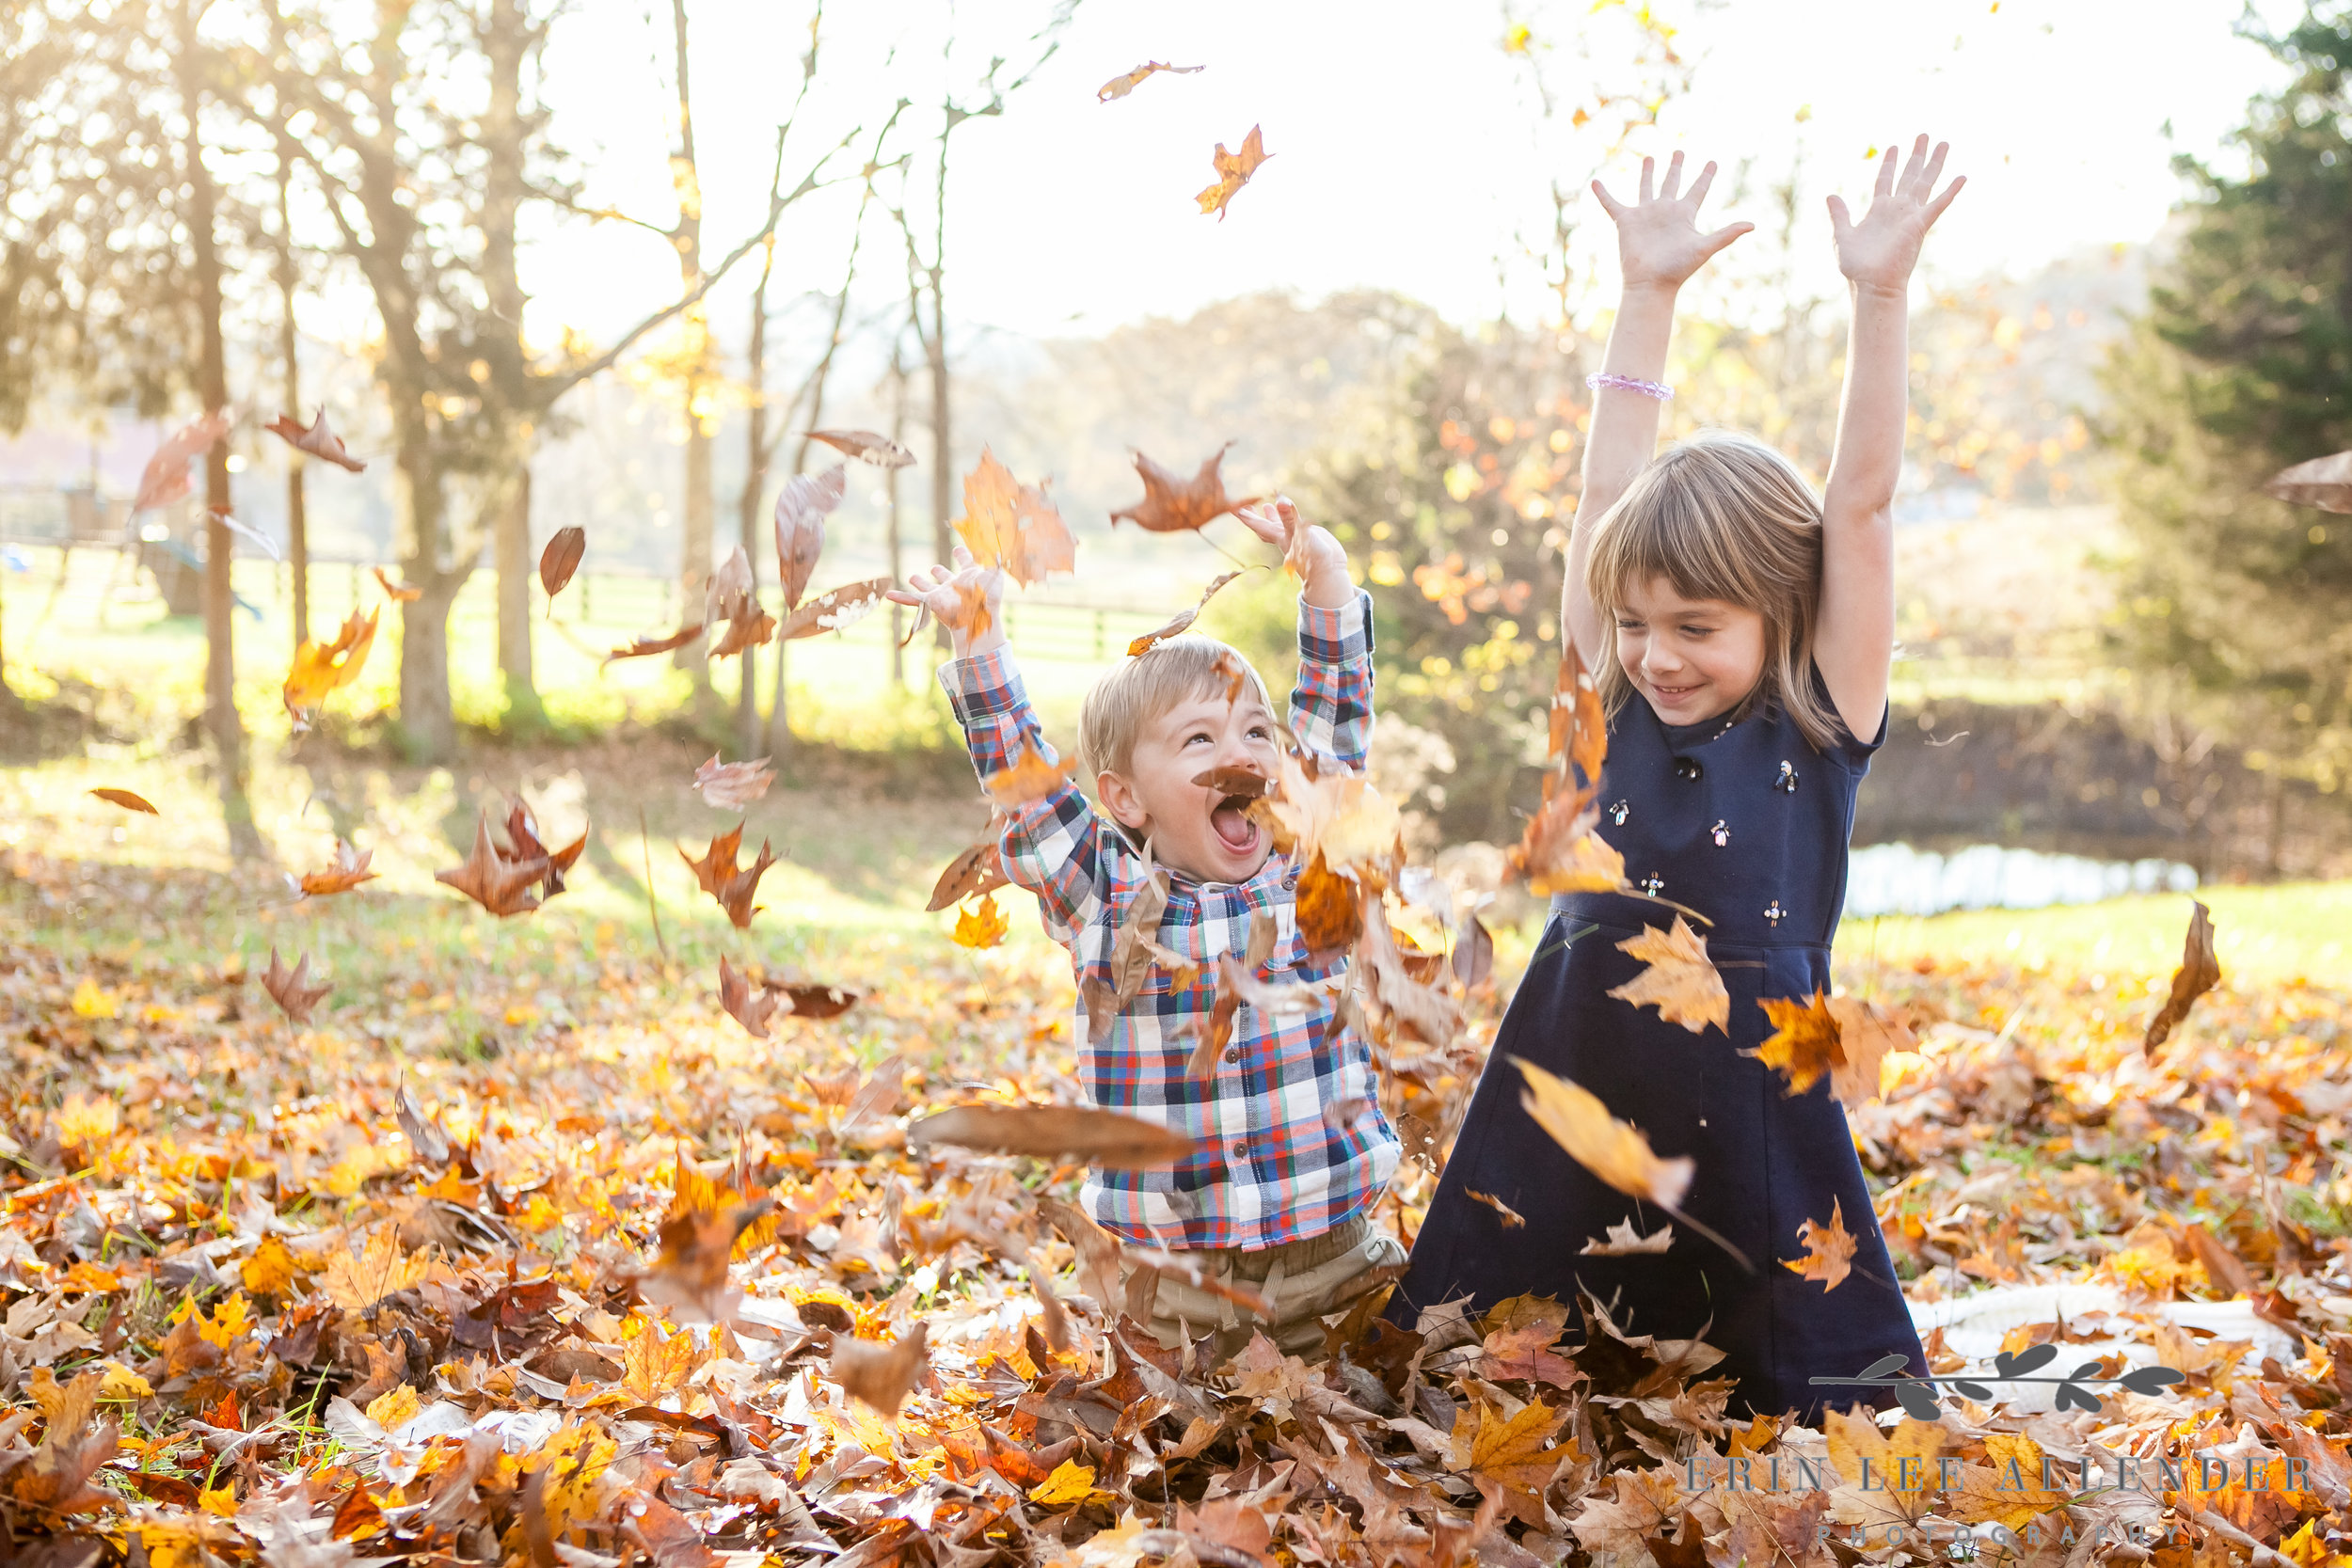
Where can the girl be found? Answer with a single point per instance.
(1742, 633)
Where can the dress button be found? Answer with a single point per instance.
(1688, 768)
(1241, 1151)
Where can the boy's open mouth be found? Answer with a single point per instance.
(1229, 820)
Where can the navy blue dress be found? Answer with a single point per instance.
(1743, 821)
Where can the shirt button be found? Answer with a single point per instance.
(1232, 1054)
(1241, 1151)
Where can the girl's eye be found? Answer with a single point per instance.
(1698, 631)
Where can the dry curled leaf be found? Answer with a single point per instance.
(1512, 1218)
(1829, 1250)
(733, 785)
(1679, 981)
(717, 875)
(1033, 776)
(1803, 1045)
(835, 611)
(881, 1375)
(980, 925)
(1121, 85)
(643, 646)
(976, 870)
(696, 1246)
(125, 799)
(753, 1002)
(1013, 526)
(317, 441)
(289, 988)
(1562, 851)
(349, 869)
(1865, 1033)
(801, 507)
(866, 445)
(1320, 808)
(522, 838)
(1330, 908)
(1473, 959)
(1610, 1150)
(498, 882)
(749, 628)
(1622, 1239)
(1173, 505)
(1234, 170)
(321, 669)
(166, 478)
(2199, 971)
(1183, 619)
(562, 558)
(2324, 482)
(1234, 781)
(398, 593)
(1075, 1133)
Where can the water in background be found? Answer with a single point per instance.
(1895, 879)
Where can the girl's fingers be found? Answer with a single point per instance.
(1934, 170)
(1935, 207)
(1649, 169)
(1710, 244)
(1840, 220)
(1674, 179)
(1608, 203)
(1886, 185)
(1699, 186)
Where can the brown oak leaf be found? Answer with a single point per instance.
(1173, 505)
(318, 441)
(287, 986)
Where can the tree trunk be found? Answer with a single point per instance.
(220, 695)
(428, 727)
(695, 545)
(756, 482)
(526, 717)
(297, 520)
(898, 566)
(507, 40)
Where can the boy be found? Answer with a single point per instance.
(1293, 1148)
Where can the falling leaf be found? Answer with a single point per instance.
(643, 647)
(1075, 1133)
(1032, 777)
(2324, 482)
(2199, 971)
(1610, 1150)
(287, 986)
(696, 1246)
(735, 994)
(1234, 170)
(1184, 618)
(749, 628)
(398, 593)
(1512, 1218)
(1234, 781)
(1172, 505)
(255, 537)
(1473, 959)
(717, 875)
(166, 478)
(318, 441)
(1622, 1239)
(800, 509)
(321, 669)
(1120, 87)
(753, 1011)
(1679, 981)
(733, 785)
(1330, 908)
(1319, 808)
(522, 837)
(1014, 526)
(500, 882)
(349, 869)
(837, 611)
(866, 445)
(982, 925)
(431, 1144)
(1829, 1250)
(1561, 850)
(976, 870)
(1865, 1033)
(1805, 1045)
(881, 1375)
(124, 798)
(562, 558)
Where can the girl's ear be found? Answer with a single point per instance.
(1119, 798)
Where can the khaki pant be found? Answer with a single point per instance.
(1305, 1281)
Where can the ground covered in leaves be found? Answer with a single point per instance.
(367, 1289)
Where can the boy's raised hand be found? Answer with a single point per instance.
(968, 601)
(1318, 558)
(1658, 242)
(1879, 251)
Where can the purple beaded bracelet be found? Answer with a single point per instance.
(1630, 384)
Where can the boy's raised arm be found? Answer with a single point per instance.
(1855, 639)
(1332, 705)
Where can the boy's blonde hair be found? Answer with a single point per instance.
(1723, 516)
(1146, 685)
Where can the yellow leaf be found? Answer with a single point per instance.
(229, 1321)
(358, 1280)
(1610, 1148)
(319, 669)
(1679, 982)
(1071, 1483)
(980, 925)
(1509, 1451)
(121, 1383)
(2007, 1490)
(85, 1123)
(1829, 1250)
(652, 1366)
(1805, 1045)
(219, 1500)
(271, 1270)
(574, 1461)
(91, 1001)
(393, 1406)
(1901, 1475)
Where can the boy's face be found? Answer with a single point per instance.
(1691, 659)
(1200, 832)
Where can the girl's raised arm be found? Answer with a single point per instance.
(1854, 643)
(1659, 248)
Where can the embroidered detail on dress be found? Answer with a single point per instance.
(1722, 834)
(1786, 782)
(1776, 914)
(1651, 883)
(1617, 813)
(1688, 768)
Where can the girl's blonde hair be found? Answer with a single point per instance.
(1723, 516)
(1172, 671)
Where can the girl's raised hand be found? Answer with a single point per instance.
(1658, 242)
(1879, 251)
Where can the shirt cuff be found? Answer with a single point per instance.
(1336, 636)
(985, 686)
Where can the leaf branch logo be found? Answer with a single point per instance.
(1918, 1396)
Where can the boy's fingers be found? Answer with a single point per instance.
(1699, 186)
(901, 596)
(963, 558)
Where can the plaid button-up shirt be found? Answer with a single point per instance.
(1292, 1141)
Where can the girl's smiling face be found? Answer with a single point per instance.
(1691, 659)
